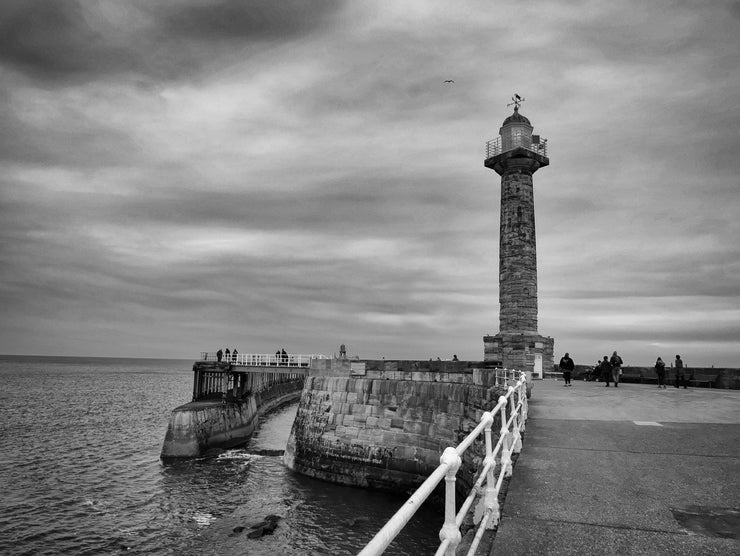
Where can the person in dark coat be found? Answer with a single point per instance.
(680, 378)
(566, 366)
(660, 369)
(616, 364)
(219, 355)
(606, 370)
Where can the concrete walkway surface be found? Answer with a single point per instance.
(628, 470)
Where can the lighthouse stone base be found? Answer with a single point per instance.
(526, 352)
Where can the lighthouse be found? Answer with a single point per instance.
(516, 154)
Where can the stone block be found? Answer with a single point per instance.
(397, 423)
(416, 427)
(351, 432)
(384, 423)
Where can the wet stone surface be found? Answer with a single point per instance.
(710, 521)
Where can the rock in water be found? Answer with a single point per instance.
(265, 527)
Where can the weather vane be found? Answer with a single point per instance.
(517, 101)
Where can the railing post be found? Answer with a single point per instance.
(491, 496)
(450, 531)
(505, 440)
(517, 439)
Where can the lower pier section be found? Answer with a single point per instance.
(226, 410)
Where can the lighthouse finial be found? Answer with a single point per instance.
(517, 100)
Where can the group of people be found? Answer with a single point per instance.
(680, 376)
(230, 355)
(610, 369)
(281, 357)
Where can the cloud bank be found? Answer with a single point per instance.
(183, 176)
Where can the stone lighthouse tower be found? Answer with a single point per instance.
(516, 154)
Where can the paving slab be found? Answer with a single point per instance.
(631, 470)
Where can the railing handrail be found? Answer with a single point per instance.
(264, 359)
(509, 442)
(500, 145)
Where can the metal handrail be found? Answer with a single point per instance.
(500, 145)
(264, 359)
(509, 442)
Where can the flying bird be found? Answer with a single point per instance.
(448, 81)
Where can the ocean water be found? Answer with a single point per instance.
(80, 473)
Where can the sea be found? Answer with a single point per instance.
(80, 473)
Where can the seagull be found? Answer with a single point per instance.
(448, 81)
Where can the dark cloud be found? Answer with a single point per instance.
(253, 20)
(76, 41)
(54, 39)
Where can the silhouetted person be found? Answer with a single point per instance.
(454, 358)
(277, 357)
(566, 366)
(606, 370)
(616, 364)
(680, 378)
(219, 355)
(233, 355)
(660, 369)
(227, 353)
(285, 357)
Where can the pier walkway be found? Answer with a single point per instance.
(628, 470)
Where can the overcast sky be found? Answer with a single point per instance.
(184, 175)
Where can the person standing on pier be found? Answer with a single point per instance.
(680, 378)
(616, 365)
(219, 355)
(227, 353)
(660, 369)
(233, 355)
(606, 370)
(566, 366)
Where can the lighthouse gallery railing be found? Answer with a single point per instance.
(513, 410)
(500, 145)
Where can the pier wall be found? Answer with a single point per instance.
(226, 410)
(384, 424)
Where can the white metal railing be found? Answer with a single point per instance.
(500, 145)
(263, 359)
(513, 418)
